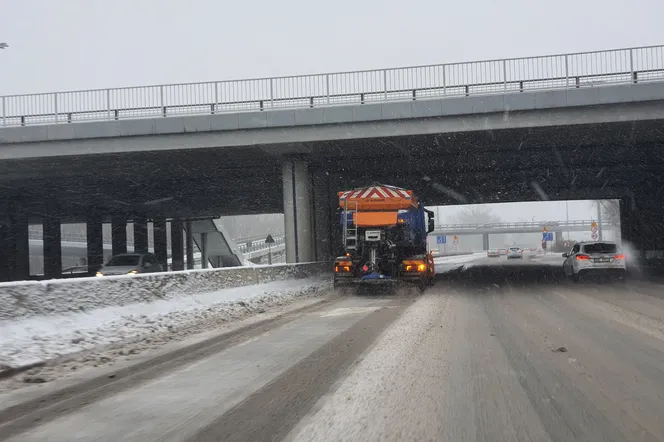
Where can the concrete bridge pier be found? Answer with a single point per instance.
(52, 246)
(16, 251)
(298, 212)
(485, 241)
(190, 245)
(95, 240)
(119, 235)
(641, 224)
(160, 236)
(177, 244)
(324, 215)
(558, 240)
(140, 234)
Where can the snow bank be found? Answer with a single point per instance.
(40, 338)
(39, 298)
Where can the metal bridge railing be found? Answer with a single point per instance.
(564, 71)
(259, 244)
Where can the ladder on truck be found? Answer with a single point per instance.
(350, 233)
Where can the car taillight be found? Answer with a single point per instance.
(619, 256)
(582, 257)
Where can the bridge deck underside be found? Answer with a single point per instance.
(576, 162)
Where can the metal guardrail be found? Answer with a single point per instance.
(563, 71)
(257, 245)
(526, 224)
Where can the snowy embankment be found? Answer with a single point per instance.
(41, 321)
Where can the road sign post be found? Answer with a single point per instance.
(546, 236)
(594, 228)
(442, 239)
(269, 241)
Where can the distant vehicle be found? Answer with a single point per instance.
(75, 270)
(130, 264)
(515, 253)
(594, 257)
(493, 253)
(502, 251)
(384, 238)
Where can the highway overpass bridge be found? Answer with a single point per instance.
(555, 227)
(520, 227)
(570, 126)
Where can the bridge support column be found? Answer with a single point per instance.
(5, 253)
(298, 213)
(485, 241)
(140, 235)
(640, 224)
(52, 247)
(559, 242)
(119, 235)
(323, 202)
(95, 239)
(190, 246)
(160, 241)
(177, 245)
(205, 259)
(19, 253)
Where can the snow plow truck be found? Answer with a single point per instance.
(384, 238)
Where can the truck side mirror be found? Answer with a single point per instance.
(431, 226)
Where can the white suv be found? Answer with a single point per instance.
(515, 253)
(594, 257)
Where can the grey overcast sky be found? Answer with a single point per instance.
(83, 44)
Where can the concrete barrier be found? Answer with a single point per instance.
(32, 298)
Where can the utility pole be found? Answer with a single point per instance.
(567, 217)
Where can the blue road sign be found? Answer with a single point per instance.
(441, 239)
(547, 236)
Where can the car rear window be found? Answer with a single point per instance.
(600, 247)
(514, 249)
